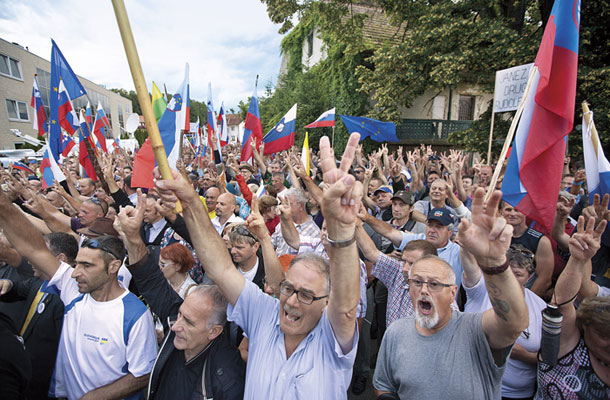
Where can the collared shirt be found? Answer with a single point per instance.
(155, 229)
(317, 369)
(314, 245)
(449, 253)
(220, 227)
(307, 228)
(389, 271)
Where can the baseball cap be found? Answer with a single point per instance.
(441, 215)
(384, 188)
(406, 197)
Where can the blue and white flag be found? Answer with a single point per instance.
(596, 164)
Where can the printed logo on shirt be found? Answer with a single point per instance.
(95, 339)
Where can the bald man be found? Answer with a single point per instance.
(225, 212)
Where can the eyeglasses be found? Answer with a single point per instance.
(432, 286)
(94, 244)
(303, 297)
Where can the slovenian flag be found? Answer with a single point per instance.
(83, 155)
(50, 170)
(98, 127)
(60, 71)
(68, 144)
(535, 166)
(252, 129)
(211, 121)
(222, 126)
(89, 114)
(281, 137)
(40, 116)
(325, 120)
(67, 116)
(596, 163)
(23, 167)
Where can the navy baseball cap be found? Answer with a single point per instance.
(441, 215)
(384, 188)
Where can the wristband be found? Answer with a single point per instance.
(495, 270)
(341, 243)
(578, 183)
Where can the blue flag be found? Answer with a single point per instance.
(60, 70)
(368, 127)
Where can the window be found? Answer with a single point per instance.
(10, 67)
(17, 110)
(310, 44)
(466, 110)
(44, 85)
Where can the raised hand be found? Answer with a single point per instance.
(177, 189)
(284, 208)
(129, 219)
(341, 200)
(565, 205)
(256, 223)
(586, 241)
(487, 237)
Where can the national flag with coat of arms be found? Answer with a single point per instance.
(327, 119)
(281, 137)
(98, 127)
(535, 166)
(40, 116)
(64, 87)
(597, 166)
(252, 129)
(49, 169)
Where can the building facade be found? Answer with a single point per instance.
(17, 69)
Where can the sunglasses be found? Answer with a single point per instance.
(95, 244)
(243, 231)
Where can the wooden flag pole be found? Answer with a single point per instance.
(143, 97)
(588, 118)
(511, 133)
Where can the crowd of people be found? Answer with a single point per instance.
(268, 279)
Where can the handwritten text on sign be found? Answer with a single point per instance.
(510, 85)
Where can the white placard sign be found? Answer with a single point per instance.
(510, 85)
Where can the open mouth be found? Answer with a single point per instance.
(292, 316)
(425, 307)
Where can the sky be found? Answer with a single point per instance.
(225, 42)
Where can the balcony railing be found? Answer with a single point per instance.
(429, 129)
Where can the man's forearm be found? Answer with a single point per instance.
(274, 273)
(121, 388)
(136, 249)
(366, 245)
(508, 302)
(290, 233)
(385, 230)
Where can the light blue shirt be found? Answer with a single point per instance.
(317, 369)
(449, 253)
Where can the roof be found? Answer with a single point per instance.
(378, 27)
(234, 119)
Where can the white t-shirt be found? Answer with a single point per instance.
(100, 341)
(519, 378)
(249, 275)
(220, 227)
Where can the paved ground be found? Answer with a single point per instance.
(368, 393)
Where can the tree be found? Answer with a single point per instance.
(444, 43)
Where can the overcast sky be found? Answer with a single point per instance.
(225, 42)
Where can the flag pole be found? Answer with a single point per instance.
(511, 133)
(143, 97)
(332, 143)
(587, 114)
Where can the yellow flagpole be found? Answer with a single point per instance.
(143, 97)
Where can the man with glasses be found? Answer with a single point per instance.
(303, 344)
(108, 343)
(467, 352)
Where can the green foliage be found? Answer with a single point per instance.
(446, 43)
(131, 95)
(197, 108)
(140, 135)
